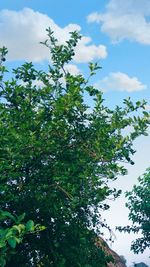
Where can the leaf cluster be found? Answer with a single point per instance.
(12, 231)
(139, 213)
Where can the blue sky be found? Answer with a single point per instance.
(127, 55)
(116, 33)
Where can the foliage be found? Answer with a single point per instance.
(139, 213)
(141, 264)
(12, 231)
(57, 157)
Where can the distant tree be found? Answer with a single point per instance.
(139, 213)
(141, 264)
(57, 157)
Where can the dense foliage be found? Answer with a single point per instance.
(13, 235)
(139, 213)
(57, 157)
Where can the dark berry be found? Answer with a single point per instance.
(3, 59)
(17, 76)
(91, 93)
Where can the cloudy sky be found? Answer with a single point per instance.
(116, 33)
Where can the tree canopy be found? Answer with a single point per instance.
(58, 155)
(139, 213)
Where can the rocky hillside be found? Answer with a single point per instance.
(116, 260)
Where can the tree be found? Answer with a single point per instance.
(141, 264)
(57, 157)
(139, 213)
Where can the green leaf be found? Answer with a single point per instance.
(30, 225)
(146, 113)
(2, 243)
(17, 228)
(2, 262)
(21, 217)
(12, 242)
(5, 214)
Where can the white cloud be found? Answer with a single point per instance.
(85, 53)
(22, 31)
(118, 81)
(147, 107)
(94, 17)
(72, 69)
(125, 20)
